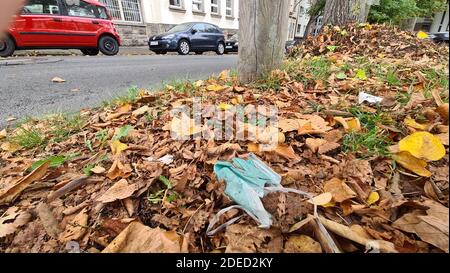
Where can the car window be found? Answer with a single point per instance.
(102, 13)
(200, 27)
(41, 7)
(80, 8)
(179, 28)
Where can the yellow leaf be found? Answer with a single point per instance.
(215, 88)
(423, 145)
(329, 205)
(2, 133)
(170, 87)
(224, 75)
(237, 100)
(406, 160)
(224, 106)
(373, 198)
(413, 124)
(422, 35)
(349, 124)
(253, 147)
(10, 147)
(117, 147)
(322, 199)
(361, 74)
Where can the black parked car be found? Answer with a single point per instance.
(232, 45)
(189, 37)
(439, 37)
(291, 44)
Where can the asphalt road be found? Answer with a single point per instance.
(27, 89)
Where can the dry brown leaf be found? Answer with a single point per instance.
(328, 147)
(76, 228)
(287, 152)
(140, 111)
(98, 170)
(429, 228)
(118, 170)
(119, 191)
(11, 220)
(124, 109)
(48, 220)
(443, 112)
(302, 244)
(10, 147)
(137, 238)
(251, 239)
(322, 199)
(58, 80)
(339, 190)
(9, 194)
(314, 143)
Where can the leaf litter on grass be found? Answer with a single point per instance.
(379, 173)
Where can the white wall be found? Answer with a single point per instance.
(440, 21)
(302, 18)
(159, 12)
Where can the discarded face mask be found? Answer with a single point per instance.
(364, 97)
(247, 181)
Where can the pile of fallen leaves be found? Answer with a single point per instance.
(121, 183)
(370, 40)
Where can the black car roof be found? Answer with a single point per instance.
(193, 23)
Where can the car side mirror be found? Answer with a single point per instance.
(194, 31)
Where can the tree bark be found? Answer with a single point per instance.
(341, 12)
(309, 25)
(263, 33)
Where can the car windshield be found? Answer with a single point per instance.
(179, 28)
(235, 37)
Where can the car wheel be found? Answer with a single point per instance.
(220, 49)
(90, 52)
(184, 48)
(108, 46)
(7, 47)
(199, 53)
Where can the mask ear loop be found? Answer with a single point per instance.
(216, 219)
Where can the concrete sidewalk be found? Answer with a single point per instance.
(124, 51)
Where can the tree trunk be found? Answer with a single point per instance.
(309, 25)
(263, 33)
(341, 12)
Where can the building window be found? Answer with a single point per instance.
(215, 7)
(124, 10)
(176, 3)
(197, 6)
(299, 29)
(229, 8)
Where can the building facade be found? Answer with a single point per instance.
(136, 20)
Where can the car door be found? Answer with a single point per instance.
(199, 36)
(86, 22)
(42, 24)
(212, 36)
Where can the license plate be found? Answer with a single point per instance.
(153, 43)
(229, 47)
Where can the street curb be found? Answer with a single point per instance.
(11, 62)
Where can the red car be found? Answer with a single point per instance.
(62, 24)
